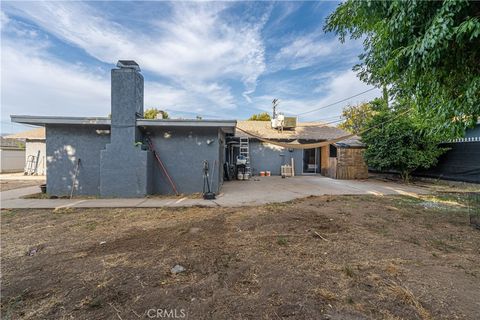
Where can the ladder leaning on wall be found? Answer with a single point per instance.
(245, 152)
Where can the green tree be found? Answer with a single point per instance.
(396, 142)
(356, 117)
(428, 50)
(264, 116)
(152, 113)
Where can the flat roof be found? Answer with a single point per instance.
(226, 125)
(43, 120)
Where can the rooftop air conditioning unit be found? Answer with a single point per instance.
(290, 122)
(282, 122)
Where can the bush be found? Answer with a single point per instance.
(394, 142)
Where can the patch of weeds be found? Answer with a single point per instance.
(350, 300)
(63, 210)
(348, 271)
(435, 255)
(8, 213)
(282, 241)
(273, 207)
(36, 196)
(91, 225)
(177, 209)
(407, 201)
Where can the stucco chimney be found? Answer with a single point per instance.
(124, 165)
(127, 101)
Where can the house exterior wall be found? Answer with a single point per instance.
(268, 157)
(124, 171)
(67, 144)
(32, 147)
(349, 163)
(12, 160)
(183, 150)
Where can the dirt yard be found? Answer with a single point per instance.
(350, 257)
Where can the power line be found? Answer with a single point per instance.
(327, 118)
(337, 102)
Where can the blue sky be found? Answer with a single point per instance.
(214, 59)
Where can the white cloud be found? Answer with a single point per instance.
(194, 46)
(32, 84)
(315, 48)
(305, 51)
(334, 86)
(181, 99)
(197, 50)
(3, 19)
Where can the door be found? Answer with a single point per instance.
(311, 161)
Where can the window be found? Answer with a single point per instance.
(333, 151)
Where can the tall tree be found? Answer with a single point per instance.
(152, 113)
(264, 116)
(356, 117)
(428, 50)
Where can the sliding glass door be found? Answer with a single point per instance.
(311, 161)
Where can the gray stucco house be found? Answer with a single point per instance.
(339, 160)
(119, 156)
(110, 157)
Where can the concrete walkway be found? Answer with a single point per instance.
(18, 193)
(234, 193)
(20, 176)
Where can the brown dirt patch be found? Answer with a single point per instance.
(362, 257)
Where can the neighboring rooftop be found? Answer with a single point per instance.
(34, 134)
(313, 131)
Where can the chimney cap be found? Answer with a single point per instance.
(129, 64)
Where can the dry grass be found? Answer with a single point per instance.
(338, 257)
(406, 296)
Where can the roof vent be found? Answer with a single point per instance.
(128, 64)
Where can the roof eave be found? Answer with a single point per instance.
(228, 126)
(42, 120)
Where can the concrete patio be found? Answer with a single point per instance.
(256, 191)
